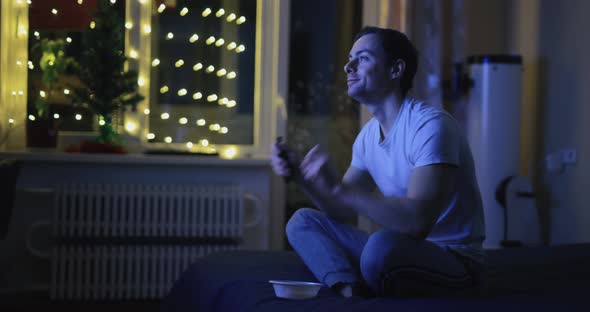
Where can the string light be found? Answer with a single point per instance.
(230, 152)
(80, 2)
(69, 40)
(36, 34)
(113, 1)
(169, 36)
(231, 75)
(161, 8)
(220, 13)
(241, 20)
(212, 98)
(92, 25)
(231, 103)
(204, 142)
(183, 121)
(197, 67)
(197, 96)
(168, 139)
(30, 64)
(221, 72)
(240, 48)
(150, 136)
(165, 116)
(142, 1)
(223, 130)
(54, 11)
(210, 69)
(222, 101)
(201, 122)
(10, 121)
(193, 38)
(101, 122)
(129, 25)
(155, 62)
(141, 81)
(182, 92)
(130, 126)
(189, 144)
(210, 40)
(179, 63)
(147, 29)
(183, 11)
(163, 89)
(133, 54)
(231, 46)
(219, 42)
(78, 117)
(31, 118)
(231, 17)
(20, 92)
(146, 111)
(206, 12)
(214, 127)
(66, 91)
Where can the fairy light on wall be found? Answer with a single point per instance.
(197, 67)
(220, 13)
(146, 111)
(183, 120)
(168, 139)
(240, 48)
(193, 38)
(78, 117)
(210, 40)
(129, 25)
(231, 75)
(197, 96)
(221, 72)
(184, 11)
(201, 122)
(241, 20)
(210, 69)
(169, 36)
(161, 8)
(179, 63)
(54, 11)
(164, 89)
(212, 98)
(219, 42)
(165, 116)
(182, 92)
(150, 136)
(230, 18)
(231, 46)
(206, 12)
(155, 62)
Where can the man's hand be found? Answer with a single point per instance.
(317, 171)
(284, 161)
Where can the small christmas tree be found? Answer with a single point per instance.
(106, 87)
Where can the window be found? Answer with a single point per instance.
(202, 72)
(234, 102)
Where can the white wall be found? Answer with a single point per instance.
(551, 36)
(564, 48)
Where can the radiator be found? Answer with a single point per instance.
(132, 241)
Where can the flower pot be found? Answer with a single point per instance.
(42, 133)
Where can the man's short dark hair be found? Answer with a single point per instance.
(397, 46)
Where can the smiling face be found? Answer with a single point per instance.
(370, 73)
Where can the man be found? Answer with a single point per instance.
(415, 154)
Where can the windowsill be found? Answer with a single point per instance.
(54, 156)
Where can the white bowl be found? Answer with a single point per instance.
(295, 289)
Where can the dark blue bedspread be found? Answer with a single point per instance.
(520, 279)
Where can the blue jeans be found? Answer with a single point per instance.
(385, 260)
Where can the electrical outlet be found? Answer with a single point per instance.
(553, 162)
(569, 156)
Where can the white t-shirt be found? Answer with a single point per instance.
(422, 135)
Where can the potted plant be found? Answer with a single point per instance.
(53, 62)
(106, 88)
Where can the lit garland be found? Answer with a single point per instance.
(210, 69)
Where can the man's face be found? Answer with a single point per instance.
(368, 70)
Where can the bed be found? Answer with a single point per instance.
(542, 278)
